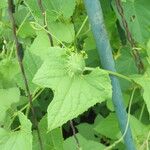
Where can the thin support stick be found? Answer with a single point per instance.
(130, 39)
(95, 15)
(74, 134)
(19, 52)
(129, 111)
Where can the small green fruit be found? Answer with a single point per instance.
(75, 64)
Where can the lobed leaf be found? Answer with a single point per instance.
(18, 140)
(74, 92)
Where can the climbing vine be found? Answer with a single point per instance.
(54, 93)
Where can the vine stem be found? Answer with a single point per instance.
(33, 24)
(127, 125)
(79, 31)
(130, 39)
(35, 95)
(19, 28)
(112, 73)
(32, 99)
(74, 134)
(141, 113)
(82, 26)
(19, 52)
(45, 22)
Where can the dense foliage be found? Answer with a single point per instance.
(66, 80)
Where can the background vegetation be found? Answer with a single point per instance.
(65, 103)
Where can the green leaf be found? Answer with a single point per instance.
(62, 31)
(105, 126)
(87, 131)
(7, 98)
(138, 24)
(23, 21)
(17, 140)
(26, 30)
(70, 144)
(58, 8)
(57, 14)
(31, 65)
(90, 49)
(51, 141)
(110, 22)
(110, 104)
(3, 4)
(148, 50)
(144, 82)
(54, 8)
(140, 132)
(74, 92)
(125, 65)
(9, 68)
(40, 45)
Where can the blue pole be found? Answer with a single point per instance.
(95, 15)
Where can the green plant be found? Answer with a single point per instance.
(61, 98)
